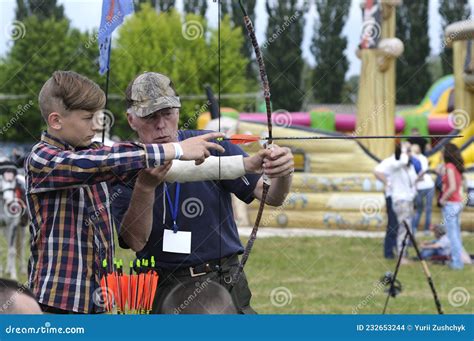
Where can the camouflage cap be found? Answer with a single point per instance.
(151, 92)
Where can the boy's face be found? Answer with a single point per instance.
(76, 128)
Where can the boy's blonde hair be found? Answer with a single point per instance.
(68, 90)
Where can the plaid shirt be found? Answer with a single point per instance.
(68, 197)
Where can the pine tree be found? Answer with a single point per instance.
(413, 74)
(161, 5)
(42, 9)
(196, 7)
(47, 45)
(238, 20)
(451, 11)
(328, 47)
(282, 53)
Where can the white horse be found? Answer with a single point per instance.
(14, 218)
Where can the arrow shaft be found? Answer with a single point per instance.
(349, 137)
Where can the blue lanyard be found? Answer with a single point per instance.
(174, 209)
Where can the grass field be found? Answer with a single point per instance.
(336, 275)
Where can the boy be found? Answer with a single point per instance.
(441, 246)
(68, 192)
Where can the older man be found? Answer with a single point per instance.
(189, 227)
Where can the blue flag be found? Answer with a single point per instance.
(113, 12)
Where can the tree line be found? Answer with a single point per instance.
(183, 46)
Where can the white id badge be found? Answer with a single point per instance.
(179, 242)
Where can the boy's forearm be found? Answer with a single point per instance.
(138, 220)
(50, 169)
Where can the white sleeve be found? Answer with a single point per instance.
(231, 167)
(383, 167)
(400, 163)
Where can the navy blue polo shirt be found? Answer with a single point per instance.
(205, 209)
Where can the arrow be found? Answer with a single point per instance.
(243, 138)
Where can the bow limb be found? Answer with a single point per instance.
(266, 180)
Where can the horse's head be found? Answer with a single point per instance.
(11, 205)
(7, 186)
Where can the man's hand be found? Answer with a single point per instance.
(149, 178)
(254, 164)
(279, 163)
(197, 148)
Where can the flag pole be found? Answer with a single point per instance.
(107, 77)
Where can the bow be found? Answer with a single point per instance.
(241, 139)
(266, 180)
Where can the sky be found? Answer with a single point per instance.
(85, 15)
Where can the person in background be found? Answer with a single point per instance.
(191, 297)
(403, 176)
(451, 200)
(425, 191)
(425, 146)
(382, 174)
(17, 299)
(441, 246)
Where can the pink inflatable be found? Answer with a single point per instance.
(344, 122)
(280, 118)
(347, 123)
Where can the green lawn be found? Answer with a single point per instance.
(334, 275)
(340, 276)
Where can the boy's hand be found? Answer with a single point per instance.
(197, 148)
(254, 163)
(149, 178)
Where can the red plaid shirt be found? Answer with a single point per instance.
(69, 202)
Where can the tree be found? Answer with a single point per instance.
(451, 11)
(196, 7)
(42, 9)
(282, 53)
(328, 47)
(225, 7)
(47, 45)
(161, 5)
(350, 90)
(238, 20)
(413, 74)
(162, 42)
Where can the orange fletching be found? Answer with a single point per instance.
(243, 138)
